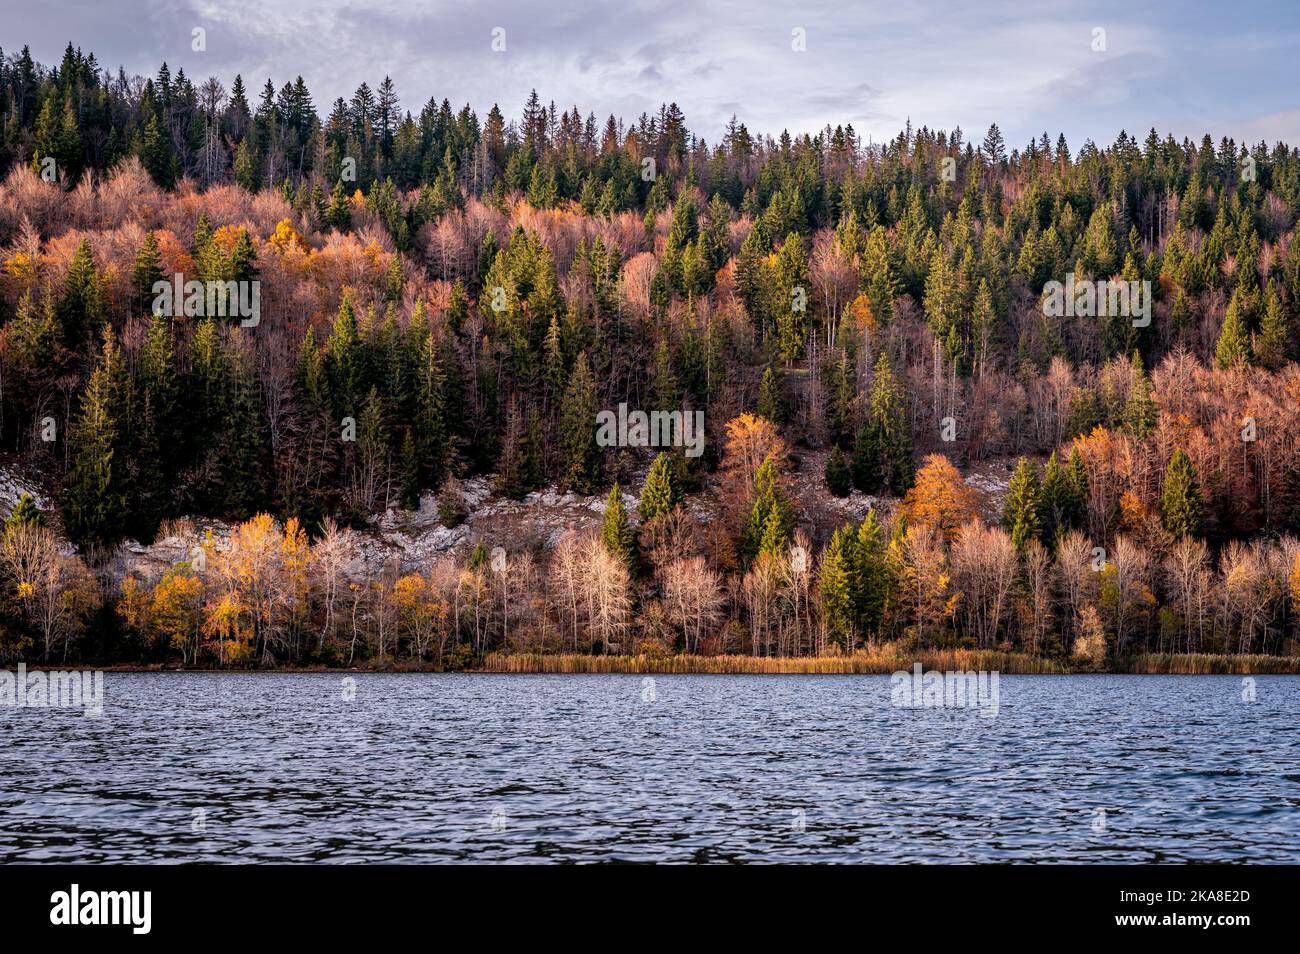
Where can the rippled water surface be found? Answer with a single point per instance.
(280, 767)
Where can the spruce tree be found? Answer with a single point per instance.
(581, 455)
(769, 498)
(882, 459)
(771, 402)
(1273, 347)
(1056, 499)
(870, 576)
(339, 213)
(1021, 516)
(616, 532)
(1180, 497)
(1140, 409)
(25, 511)
(1233, 347)
(839, 478)
(94, 493)
(83, 309)
(661, 492)
(146, 271)
(834, 582)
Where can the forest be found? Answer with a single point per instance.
(445, 299)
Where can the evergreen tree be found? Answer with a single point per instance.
(83, 310)
(616, 532)
(581, 455)
(1140, 409)
(769, 500)
(839, 478)
(1180, 497)
(871, 580)
(771, 402)
(93, 500)
(147, 270)
(1233, 347)
(834, 582)
(882, 460)
(339, 213)
(25, 511)
(1022, 515)
(1273, 346)
(661, 492)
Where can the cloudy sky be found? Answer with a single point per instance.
(1195, 66)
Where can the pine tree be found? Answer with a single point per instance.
(1180, 497)
(1021, 516)
(616, 532)
(661, 492)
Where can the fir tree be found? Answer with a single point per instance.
(1273, 346)
(769, 499)
(25, 511)
(870, 576)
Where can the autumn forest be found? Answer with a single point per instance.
(905, 444)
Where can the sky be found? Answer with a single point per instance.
(1085, 69)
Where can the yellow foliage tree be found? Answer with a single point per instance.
(940, 498)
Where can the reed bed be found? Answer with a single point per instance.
(1209, 664)
(879, 660)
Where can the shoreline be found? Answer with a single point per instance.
(858, 664)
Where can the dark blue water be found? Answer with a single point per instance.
(262, 767)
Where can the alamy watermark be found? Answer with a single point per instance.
(626, 428)
(1092, 299)
(194, 299)
(65, 689)
(945, 690)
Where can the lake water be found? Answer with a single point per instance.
(460, 767)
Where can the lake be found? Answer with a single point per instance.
(217, 767)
